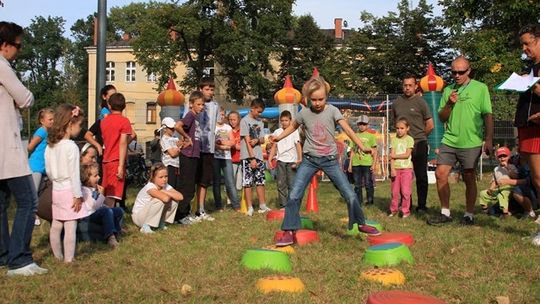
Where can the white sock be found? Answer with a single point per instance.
(445, 211)
(201, 210)
(262, 205)
(468, 214)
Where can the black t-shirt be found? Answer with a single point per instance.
(528, 103)
(96, 130)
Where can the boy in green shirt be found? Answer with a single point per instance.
(362, 164)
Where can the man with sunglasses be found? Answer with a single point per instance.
(414, 108)
(15, 175)
(466, 109)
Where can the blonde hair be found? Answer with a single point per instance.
(42, 112)
(154, 170)
(63, 116)
(86, 172)
(313, 85)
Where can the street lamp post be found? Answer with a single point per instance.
(101, 51)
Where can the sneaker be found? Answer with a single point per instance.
(392, 214)
(37, 222)
(421, 210)
(286, 239)
(439, 220)
(185, 221)
(112, 241)
(146, 229)
(528, 216)
(467, 221)
(28, 270)
(536, 239)
(264, 209)
(406, 215)
(250, 211)
(206, 217)
(370, 230)
(194, 219)
(538, 220)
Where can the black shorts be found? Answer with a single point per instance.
(205, 170)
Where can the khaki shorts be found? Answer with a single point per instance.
(467, 157)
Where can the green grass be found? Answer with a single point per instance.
(454, 263)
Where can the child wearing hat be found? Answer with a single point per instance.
(170, 151)
(496, 192)
(362, 164)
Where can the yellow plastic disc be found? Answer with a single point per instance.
(280, 284)
(286, 249)
(384, 276)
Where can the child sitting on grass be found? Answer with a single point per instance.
(497, 192)
(110, 219)
(320, 153)
(156, 202)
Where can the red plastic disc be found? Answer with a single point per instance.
(391, 237)
(302, 236)
(401, 297)
(275, 215)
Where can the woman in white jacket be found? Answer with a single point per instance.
(15, 175)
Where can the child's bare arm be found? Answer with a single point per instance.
(123, 154)
(405, 155)
(175, 195)
(160, 195)
(293, 126)
(298, 152)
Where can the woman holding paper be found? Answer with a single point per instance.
(527, 119)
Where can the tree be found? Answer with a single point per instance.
(304, 47)
(377, 56)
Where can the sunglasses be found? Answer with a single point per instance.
(460, 72)
(362, 124)
(18, 46)
(502, 156)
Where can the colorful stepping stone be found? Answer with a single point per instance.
(280, 284)
(401, 297)
(266, 259)
(275, 215)
(286, 249)
(391, 237)
(386, 276)
(372, 223)
(306, 223)
(387, 255)
(302, 237)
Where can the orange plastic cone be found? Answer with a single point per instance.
(243, 204)
(312, 205)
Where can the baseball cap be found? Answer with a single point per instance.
(502, 151)
(168, 122)
(362, 119)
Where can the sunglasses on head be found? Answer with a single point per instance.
(460, 72)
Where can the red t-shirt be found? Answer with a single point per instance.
(112, 127)
(235, 154)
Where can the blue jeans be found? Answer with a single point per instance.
(226, 166)
(110, 220)
(363, 178)
(15, 249)
(309, 166)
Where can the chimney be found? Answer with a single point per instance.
(95, 30)
(338, 29)
(126, 36)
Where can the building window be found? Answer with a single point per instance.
(109, 70)
(130, 71)
(151, 77)
(151, 112)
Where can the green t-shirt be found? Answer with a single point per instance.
(363, 158)
(400, 146)
(465, 126)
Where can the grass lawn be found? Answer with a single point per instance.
(454, 263)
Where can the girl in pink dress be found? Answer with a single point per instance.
(62, 166)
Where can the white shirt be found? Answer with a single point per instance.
(222, 133)
(90, 203)
(143, 198)
(286, 148)
(62, 166)
(13, 96)
(166, 143)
